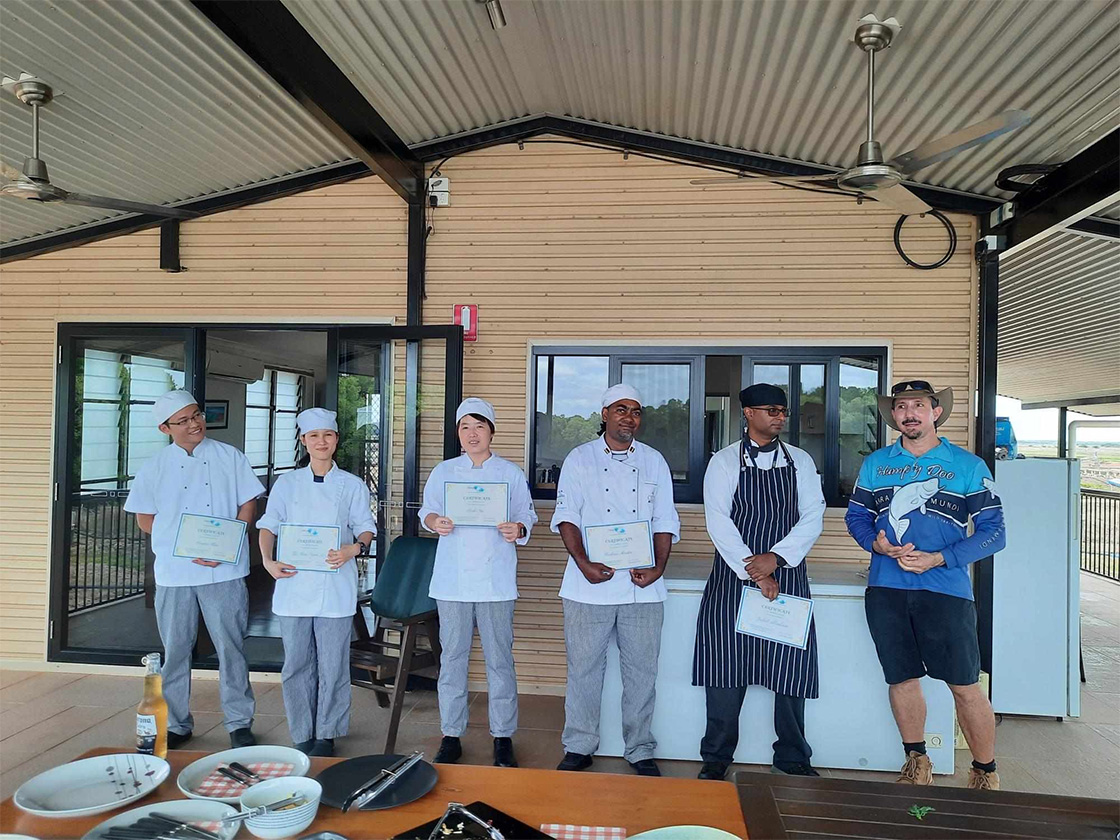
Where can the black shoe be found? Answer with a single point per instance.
(323, 746)
(242, 738)
(646, 767)
(175, 740)
(794, 770)
(713, 770)
(503, 753)
(450, 750)
(574, 761)
(305, 747)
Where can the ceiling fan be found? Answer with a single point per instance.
(872, 176)
(34, 183)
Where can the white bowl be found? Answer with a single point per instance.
(193, 774)
(285, 823)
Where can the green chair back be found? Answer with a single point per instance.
(401, 590)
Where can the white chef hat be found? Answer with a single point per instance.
(621, 391)
(169, 403)
(473, 405)
(311, 419)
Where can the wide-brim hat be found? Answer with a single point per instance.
(915, 388)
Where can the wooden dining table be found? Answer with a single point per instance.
(536, 797)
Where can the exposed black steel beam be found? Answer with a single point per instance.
(272, 37)
(1063, 432)
(1105, 399)
(417, 241)
(985, 431)
(1085, 180)
(1096, 226)
(640, 141)
(211, 204)
(169, 246)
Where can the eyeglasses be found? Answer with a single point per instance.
(198, 416)
(771, 410)
(912, 385)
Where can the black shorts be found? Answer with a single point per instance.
(917, 632)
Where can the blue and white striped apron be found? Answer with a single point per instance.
(764, 509)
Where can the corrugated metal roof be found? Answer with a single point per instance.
(1059, 321)
(780, 77)
(152, 104)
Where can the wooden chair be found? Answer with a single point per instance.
(400, 605)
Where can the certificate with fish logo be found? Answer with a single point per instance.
(306, 546)
(785, 620)
(481, 503)
(627, 545)
(207, 537)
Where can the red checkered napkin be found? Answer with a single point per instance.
(219, 786)
(208, 825)
(584, 832)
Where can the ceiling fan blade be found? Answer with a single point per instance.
(777, 179)
(938, 150)
(9, 172)
(128, 206)
(901, 199)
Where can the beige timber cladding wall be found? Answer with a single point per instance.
(332, 254)
(563, 243)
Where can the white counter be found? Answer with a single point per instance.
(849, 726)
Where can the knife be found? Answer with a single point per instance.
(229, 774)
(243, 770)
(370, 790)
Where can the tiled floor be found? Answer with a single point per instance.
(49, 718)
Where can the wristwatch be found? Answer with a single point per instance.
(781, 560)
(363, 549)
(522, 531)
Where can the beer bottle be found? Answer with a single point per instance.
(151, 714)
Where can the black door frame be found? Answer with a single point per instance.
(194, 337)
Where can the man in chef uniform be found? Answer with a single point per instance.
(316, 606)
(195, 474)
(764, 509)
(613, 479)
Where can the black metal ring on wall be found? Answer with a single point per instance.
(937, 214)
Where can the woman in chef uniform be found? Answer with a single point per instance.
(316, 608)
(474, 583)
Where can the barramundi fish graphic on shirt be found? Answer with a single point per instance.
(906, 500)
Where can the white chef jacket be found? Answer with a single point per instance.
(216, 479)
(598, 489)
(476, 563)
(721, 482)
(341, 499)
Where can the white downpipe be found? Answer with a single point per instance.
(1087, 424)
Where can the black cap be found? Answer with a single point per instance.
(762, 394)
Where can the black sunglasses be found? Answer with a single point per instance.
(912, 385)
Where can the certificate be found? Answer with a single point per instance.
(209, 538)
(476, 503)
(306, 546)
(627, 545)
(784, 620)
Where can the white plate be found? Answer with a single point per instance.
(685, 832)
(92, 785)
(187, 810)
(193, 774)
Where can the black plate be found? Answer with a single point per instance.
(342, 779)
(512, 828)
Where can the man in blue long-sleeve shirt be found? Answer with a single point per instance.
(911, 509)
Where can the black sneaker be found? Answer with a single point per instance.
(175, 740)
(713, 770)
(242, 738)
(794, 770)
(503, 753)
(305, 747)
(574, 761)
(323, 747)
(450, 750)
(646, 767)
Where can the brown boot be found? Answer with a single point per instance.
(918, 770)
(980, 780)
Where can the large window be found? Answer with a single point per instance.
(692, 409)
(271, 437)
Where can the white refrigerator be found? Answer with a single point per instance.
(1036, 634)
